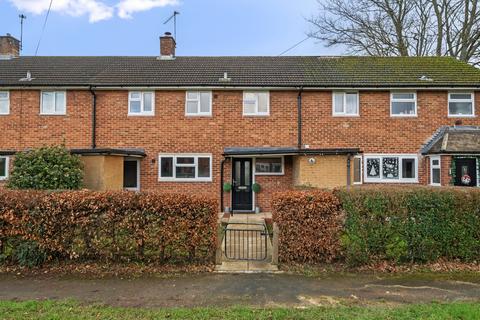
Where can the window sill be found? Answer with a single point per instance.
(53, 114)
(269, 174)
(184, 180)
(141, 114)
(256, 115)
(392, 181)
(346, 115)
(403, 116)
(461, 116)
(198, 115)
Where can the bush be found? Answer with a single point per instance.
(110, 225)
(310, 225)
(410, 224)
(29, 254)
(46, 168)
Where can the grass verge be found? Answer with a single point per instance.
(71, 310)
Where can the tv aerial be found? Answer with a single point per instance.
(174, 17)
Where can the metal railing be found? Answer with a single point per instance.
(246, 241)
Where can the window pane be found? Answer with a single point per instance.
(48, 102)
(390, 168)
(338, 102)
(403, 108)
(352, 103)
(461, 96)
(3, 95)
(268, 165)
(3, 167)
(135, 106)
(192, 107)
(249, 107)
(357, 170)
(135, 95)
(405, 96)
(247, 173)
(60, 102)
(205, 102)
(204, 167)
(192, 95)
(436, 176)
(460, 108)
(166, 167)
(263, 102)
(147, 102)
(3, 106)
(185, 160)
(435, 162)
(373, 168)
(408, 168)
(185, 172)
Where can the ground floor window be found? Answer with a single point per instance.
(435, 173)
(269, 166)
(391, 168)
(131, 174)
(357, 170)
(185, 167)
(3, 168)
(465, 171)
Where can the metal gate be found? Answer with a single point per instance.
(246, 241)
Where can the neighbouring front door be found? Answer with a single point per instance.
(466, 172)
(242, 194)
(130, 174)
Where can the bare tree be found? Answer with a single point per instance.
(401, 27)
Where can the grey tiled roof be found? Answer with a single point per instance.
(454, 140)
(243, 71)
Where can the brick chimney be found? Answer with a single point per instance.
(9, 46)
(167, 46)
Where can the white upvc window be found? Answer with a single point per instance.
(357, 170)
(345, 104)
(461, 104)
(4, 167)
(198, 103)
(403, 104)
(269, 166)
(185, 167)
(256, 103)
(435, 171)
(141, 103)
(4, 102)
(395, 168)
(53, 103)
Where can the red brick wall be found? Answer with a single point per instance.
(170, 131)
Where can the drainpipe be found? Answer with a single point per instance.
(94, 118)
(222, 169)
(299, 117)
(349, 173)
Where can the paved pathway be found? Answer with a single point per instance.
(236, 289)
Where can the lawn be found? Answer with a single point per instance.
(71, 310)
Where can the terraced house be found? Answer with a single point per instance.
(242, 128)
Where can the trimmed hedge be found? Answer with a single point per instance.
(310, 225)
(398, 224)
(410, 224)
(119, 226)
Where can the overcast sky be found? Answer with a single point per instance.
(132, 27)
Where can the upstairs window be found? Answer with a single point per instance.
(185, 167)
(391, 168)
(269, 166)
(256, 103)
(53, 103)
(345, 104)
(4, 102)
(403, 104)
(460, 104)
(198, 103)
(3, 168)
(141, 103)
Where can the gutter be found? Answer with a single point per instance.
(94, 117)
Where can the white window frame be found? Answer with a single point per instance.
(142, 101)
(361, 170)
(472, 100)
(7, 165)
(8, 102)
(344, 113)
(55, 113)
(256, 112)
(400, 157)
(269, 173)
(414, 100)
(198, 101)
(174, 163)
(439, 166)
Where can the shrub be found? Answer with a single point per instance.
(410, 224)
(110, 225)
(46, 168)
(29, 254)
(310, 225)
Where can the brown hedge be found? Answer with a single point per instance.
(310, 224)
(112, 225)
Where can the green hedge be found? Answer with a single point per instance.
(410, 224)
